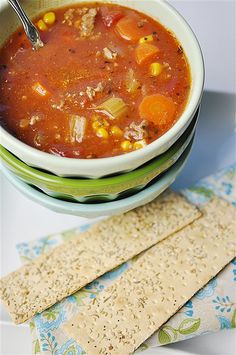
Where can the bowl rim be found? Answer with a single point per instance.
(141, 172)
(85, 164)
(101, 209)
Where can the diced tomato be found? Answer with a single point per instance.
(109, 17)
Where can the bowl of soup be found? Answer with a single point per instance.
(113, 87)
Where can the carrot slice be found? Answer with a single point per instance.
(158, 109)
(128, 28)
(145, 51)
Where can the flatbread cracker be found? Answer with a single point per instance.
(69, 267)
(162, 280)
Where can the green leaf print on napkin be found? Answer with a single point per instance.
(202, 191)
(51, 314)
(36, 347)
(189, 326)
(164, 337)
(142, 347)
(233, 321)
(32, 325)
(168, 334)
(70, 234)
(81, 295)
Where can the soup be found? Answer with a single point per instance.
(108, 81)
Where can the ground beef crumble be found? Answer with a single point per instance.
(136, 131)
(83, 19)
(87, 23)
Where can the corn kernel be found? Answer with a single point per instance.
(139, 144)
(100, 123)
(95, 117)
(126, 145)
(49, 18)
(42, 26)
(155, 69)
(146, 39)
(104, 123)
(102, 133)
(96, 125)
(116, 131)
(24, 123)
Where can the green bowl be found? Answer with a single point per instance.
(152, 191)
(104, 189)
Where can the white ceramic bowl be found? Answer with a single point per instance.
(96, 168)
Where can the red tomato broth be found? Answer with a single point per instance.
(68, 64)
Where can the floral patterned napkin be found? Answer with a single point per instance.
(211, 309)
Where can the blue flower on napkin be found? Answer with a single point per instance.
(189, 312)
(227, 188)
(208, 290)
(48, 342)
(34, 249)
(223, 304)
(224, 322)
(234, 270)
(95, 288)
(50, 319)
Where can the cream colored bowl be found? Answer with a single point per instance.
(96, 168)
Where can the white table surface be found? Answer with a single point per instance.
(214, 148)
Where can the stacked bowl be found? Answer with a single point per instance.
(106, 186)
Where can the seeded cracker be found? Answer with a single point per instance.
(63, 271)
(162, 280)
